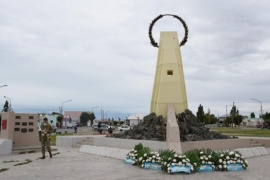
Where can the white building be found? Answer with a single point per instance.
(134, 119)
(252, 122)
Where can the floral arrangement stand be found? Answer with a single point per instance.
(180, 169)
(203, 160)
(205, 168)
(152, 166)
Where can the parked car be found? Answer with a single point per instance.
(124, 128)
(264, 125)
(103, 127)
(69, 126)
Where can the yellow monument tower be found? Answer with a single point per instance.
(169, 91)
(169, 85)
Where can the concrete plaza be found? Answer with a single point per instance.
(69, 163)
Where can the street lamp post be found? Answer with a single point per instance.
(10, 109)
(94, 108)
(62, 105)
(106, 114)
(259, 102)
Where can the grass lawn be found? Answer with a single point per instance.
(53, 137)
(243, 131)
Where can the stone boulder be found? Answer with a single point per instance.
(154, 128)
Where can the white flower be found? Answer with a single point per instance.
(220, 166)
(203, 162)
(135, 151)
(169, 169)
(201, 152)
(157, 154)
(224, 162)
(153, 161)
(224, 166)
(209, 156)
(227, 157)
(201, 158)
(195, 164)
(174, 160)
(184, 161)
(142, 165)
(165, 163)
(221, 155)
(209, 162)
(169, 158)
(168, 165)
(145, 155)
(154, 156)
(175, 155)
(173, 164)
(220, 160)
(180, 156)
(244, 165)
(140, 159)
(246, 161)
(206, 158)
(150, 158)
(184, 156)
(213, 166)
(191, 168)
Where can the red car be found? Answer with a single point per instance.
(264, 125)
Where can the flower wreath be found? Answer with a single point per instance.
(154, 43)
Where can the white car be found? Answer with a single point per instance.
(124, 128)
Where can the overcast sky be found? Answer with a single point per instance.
(97, 53)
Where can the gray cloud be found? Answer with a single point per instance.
(98, 53)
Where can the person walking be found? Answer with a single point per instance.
(75, 129)
(99, 128)
(45, 131)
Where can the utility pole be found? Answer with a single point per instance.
(233, 116)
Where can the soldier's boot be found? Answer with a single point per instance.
(50, 154)
(43, 156)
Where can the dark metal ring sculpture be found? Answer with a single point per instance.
(154, 43)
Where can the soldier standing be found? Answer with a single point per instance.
(44, 137)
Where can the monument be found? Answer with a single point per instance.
(169, 92)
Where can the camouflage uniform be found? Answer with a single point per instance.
(44, 137)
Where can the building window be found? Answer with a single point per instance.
(31, 117)
(30, 123)
(170, 72)
(16, 129)
(23, 130)
(31, 130)
(18, 117)
(17, 123)
(24, 123)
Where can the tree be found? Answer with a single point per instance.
(86, 116)
(200, 114)
(210, 118)
(6, 107)
(60, 119)
(252, 115)
(235, 117)
(92, 118)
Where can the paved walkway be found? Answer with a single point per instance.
(71, 164)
